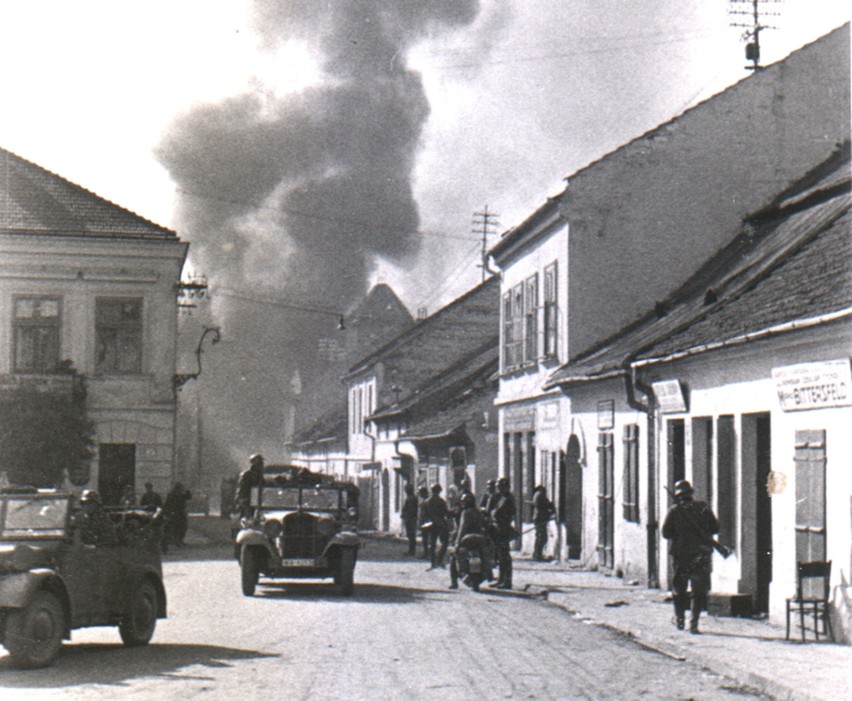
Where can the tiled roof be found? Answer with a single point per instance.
(35, 201)
(459, 331)
(331, 426)
(791, 261)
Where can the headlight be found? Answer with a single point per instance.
(352, 513)
(272, 529)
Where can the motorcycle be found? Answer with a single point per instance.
(471, 558)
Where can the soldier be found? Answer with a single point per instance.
(252, 477)
(175, 514)
(408, 514)
(96, 526)
(422, 496)
(503, 517)
(437, 523)
(488, 495)
(542, 512)
(690, 526)
(150, 500)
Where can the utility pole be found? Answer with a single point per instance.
(753, 9)
(485, 223)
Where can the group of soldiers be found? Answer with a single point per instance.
(441, 525)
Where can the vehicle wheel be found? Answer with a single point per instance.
(34, 633)
(346, 574)
(249, 571)
(137, 626)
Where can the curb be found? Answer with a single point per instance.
(742, 676)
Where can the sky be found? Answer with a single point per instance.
(313, 148)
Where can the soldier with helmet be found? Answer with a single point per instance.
(252, 477)
(503, 513)
(96, 528)
(437, 525)
(690, 526)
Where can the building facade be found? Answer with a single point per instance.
(88, 284)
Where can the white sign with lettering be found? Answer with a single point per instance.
(814, 385)
(669, 395)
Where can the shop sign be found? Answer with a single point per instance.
(669, 396)
(813, 385)
(606, 414)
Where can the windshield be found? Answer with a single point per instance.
(313, 498)
(33, 516)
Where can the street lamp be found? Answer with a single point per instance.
(180, 379)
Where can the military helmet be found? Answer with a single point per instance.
(255, 459)
(502, 481)
(683, 487)
(437, 488)
(467, 500)
(90, 496)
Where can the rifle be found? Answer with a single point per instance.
(723, 550)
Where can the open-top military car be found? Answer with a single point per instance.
(60, 571)
(302, 525)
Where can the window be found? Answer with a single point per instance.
(630, 503)
(531, 320)
(118, 335)
(36, 332)
(550, 312)
(513, 327)
(508, 360)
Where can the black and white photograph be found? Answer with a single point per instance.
(425, 350)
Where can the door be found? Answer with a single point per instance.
(116, 470)
(810, 496)
(756, 510)
(606, 501)
(572, 499)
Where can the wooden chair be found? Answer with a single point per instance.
(812, 596)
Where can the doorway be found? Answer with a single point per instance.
(756, 510)
(571, 487)
(116, 470)
(606, 501)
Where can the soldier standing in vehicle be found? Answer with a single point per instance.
(408, 514)
(690, 526)
(96, 527)
(252, 477)
(503, 514)
(150, 500)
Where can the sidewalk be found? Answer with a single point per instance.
(753, 652)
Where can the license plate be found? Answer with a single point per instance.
(297, 562)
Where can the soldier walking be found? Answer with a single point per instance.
(542, 512)
(408, 514)
(437, 524)
(690, 526)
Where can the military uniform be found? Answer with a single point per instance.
(408, 514)
(503, 514)
(542, 513)
(690, 525)
(436, 513)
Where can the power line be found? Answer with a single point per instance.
(316, 217)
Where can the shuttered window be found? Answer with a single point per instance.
(630, 493)
(810, 495)
(606, 509)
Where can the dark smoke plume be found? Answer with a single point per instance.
(295, 198)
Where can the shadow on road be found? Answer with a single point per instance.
(105, 663)
(367, 593)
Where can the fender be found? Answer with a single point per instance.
(16, 589)
(252, 538)
(344, 539)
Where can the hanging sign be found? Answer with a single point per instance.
(669, 396)
(813, 385)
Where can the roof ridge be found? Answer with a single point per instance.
(31, 164)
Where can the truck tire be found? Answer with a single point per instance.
(346, 575)
(249, 571)
(34, 633)
(137, 626)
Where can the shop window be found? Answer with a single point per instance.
(118, 334)
(36, 327)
